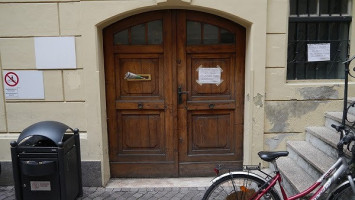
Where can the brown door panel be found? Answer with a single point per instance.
(141, 136)
(141, 105)
(134, 89)
(211, 137)
(222, 91)
(211, 105)
(142, 170)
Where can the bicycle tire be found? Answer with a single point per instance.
(223, 188)
(343, 192)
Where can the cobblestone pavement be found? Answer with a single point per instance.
(97, 193)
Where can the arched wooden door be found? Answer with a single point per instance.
(175, 93)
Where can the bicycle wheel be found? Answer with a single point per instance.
(241, 187)
(344, 192)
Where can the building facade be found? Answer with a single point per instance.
(215, 81)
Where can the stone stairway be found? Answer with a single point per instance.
(309, 159)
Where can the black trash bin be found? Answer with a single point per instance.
(46, 162)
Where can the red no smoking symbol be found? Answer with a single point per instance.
(11, 79)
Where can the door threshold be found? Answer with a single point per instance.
(159, 182)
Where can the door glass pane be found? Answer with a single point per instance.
(210, 34)
(344, 6)
(335, 6)
(293, 7)
(155, 32)
(227, 37)
(193, 32)
(302, 7)
(121, 37)
(312, 7)
(324, 7)
(138, 34)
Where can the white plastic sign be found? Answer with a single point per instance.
(23, 84)
(55, 52)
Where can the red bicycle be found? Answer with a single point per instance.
(246, 185)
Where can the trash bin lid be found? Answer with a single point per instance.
(50, 129)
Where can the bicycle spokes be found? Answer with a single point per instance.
(243, 193)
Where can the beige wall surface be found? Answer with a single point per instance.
(77, 96)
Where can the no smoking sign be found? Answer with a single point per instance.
(23, 84)
(11, 79)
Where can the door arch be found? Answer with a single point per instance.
(186, 113)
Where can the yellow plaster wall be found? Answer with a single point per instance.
(21, 114)
(3, 127)
(28, 19)
(17, 53)
(73, 85)
(295, 116)
(69, 18)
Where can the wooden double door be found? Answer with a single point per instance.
(175, 93)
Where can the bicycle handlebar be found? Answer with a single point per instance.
(347, 136)
(337, 128)
(347, 139)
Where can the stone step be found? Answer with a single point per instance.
(326, 140)
(295, 179)
(309, 158)
(336, 118)
(352, 109)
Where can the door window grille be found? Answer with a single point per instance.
(149, 33)
(201, 33)
(318, 22)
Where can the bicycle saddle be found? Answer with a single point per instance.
(269, 156)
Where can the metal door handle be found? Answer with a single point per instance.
(180, 93)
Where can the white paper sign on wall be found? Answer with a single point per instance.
(23, 84)
(55, 52)
(318, 52)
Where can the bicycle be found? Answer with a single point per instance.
(336, 183)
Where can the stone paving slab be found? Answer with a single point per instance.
(98, 193)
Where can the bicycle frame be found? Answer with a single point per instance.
(332, 175)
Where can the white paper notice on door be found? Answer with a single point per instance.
(318, 52)
(209, 75)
